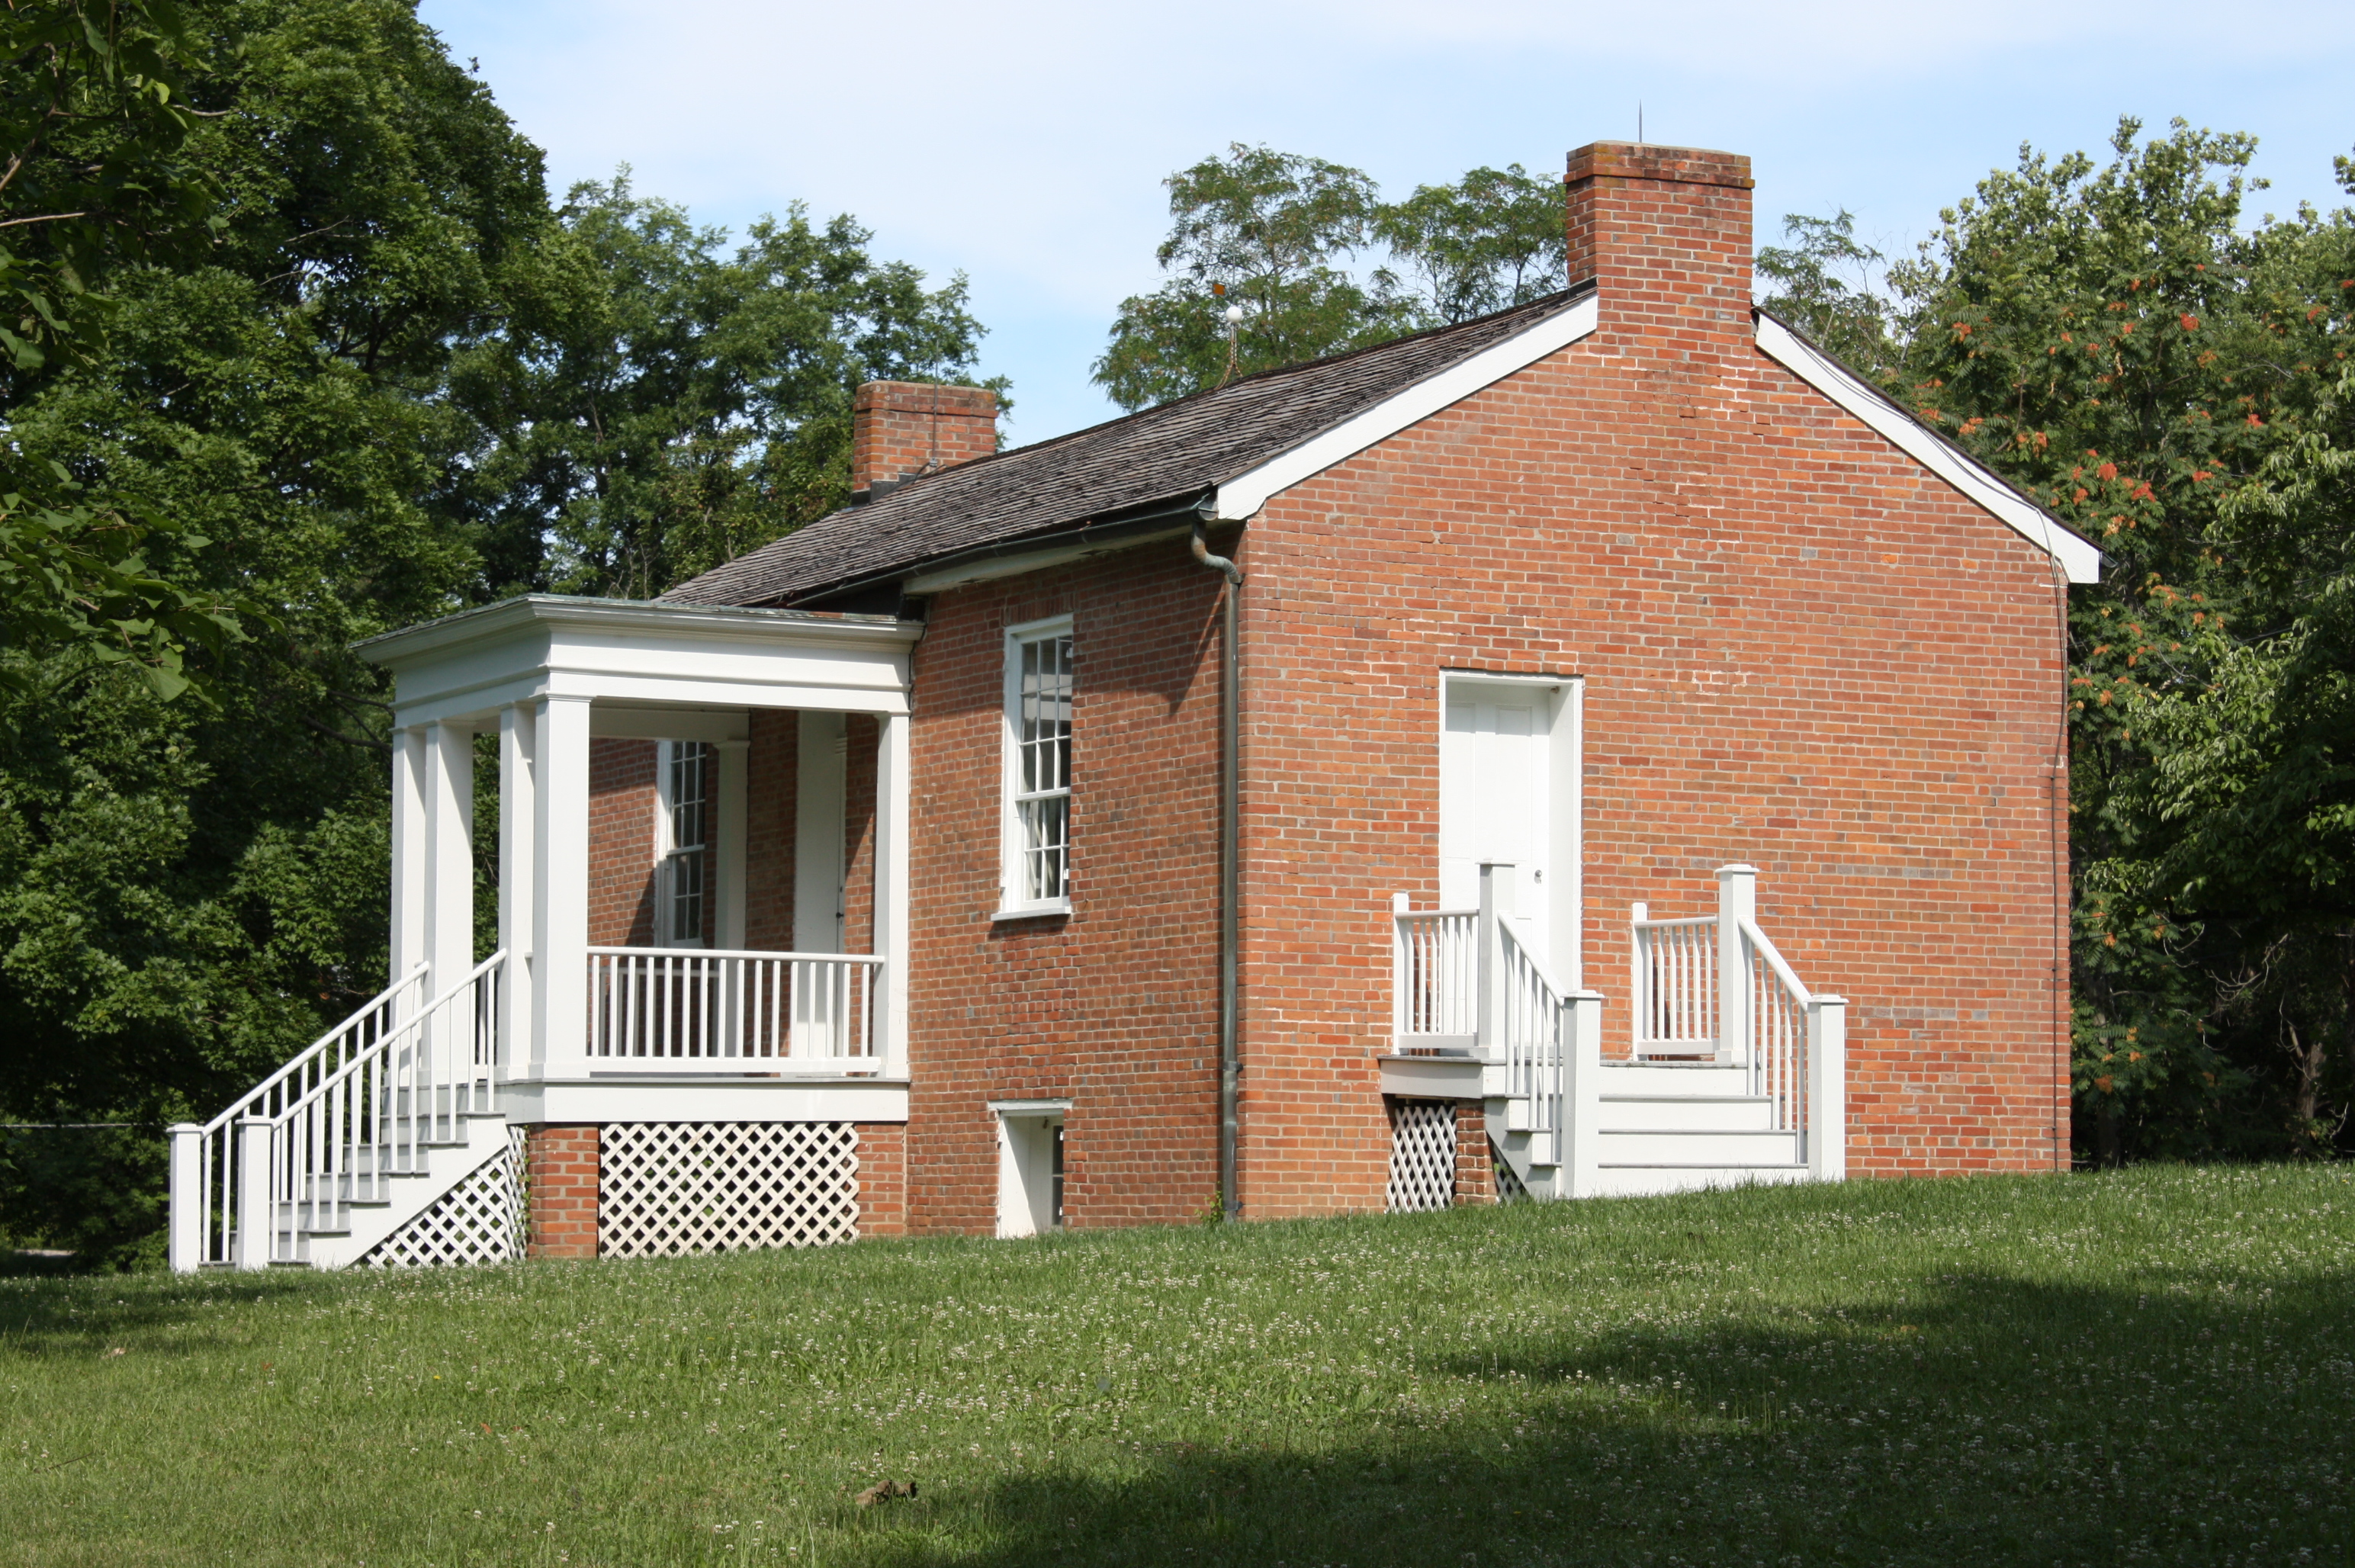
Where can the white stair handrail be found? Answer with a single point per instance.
(353, 1108)
(1723, 973)
(373, 1117)
(204, 1167)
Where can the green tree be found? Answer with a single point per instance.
(94, 129)
(673, 404)
(187, 891)
(391, 383)
(1493, 240)
(2108, 336)
(1265, 232)
(1823, 283)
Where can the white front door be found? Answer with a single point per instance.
(1494, 802)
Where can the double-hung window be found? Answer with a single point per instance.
(684, 781)
(1037, 817)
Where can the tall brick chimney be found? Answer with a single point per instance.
(1665, 233)
(901, 428)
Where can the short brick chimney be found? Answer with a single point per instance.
(901, 428)
(1665, 233)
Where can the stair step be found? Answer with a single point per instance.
(1673, 1078)
(1669, 1113)
(1640, 1180)
(1705, 1146)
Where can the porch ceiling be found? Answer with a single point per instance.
(635, 660)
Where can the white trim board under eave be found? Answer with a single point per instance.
(1246, 492)
(2078, 556)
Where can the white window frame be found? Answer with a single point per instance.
(668, 851)
(1013, 880)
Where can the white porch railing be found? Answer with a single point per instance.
(1434, 1002)
(1466, 985)
(325, 1130)
(1676, 985)
(687, 1010)
(1715, 987)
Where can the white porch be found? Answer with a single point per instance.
(596, 1034)
(680, 1022)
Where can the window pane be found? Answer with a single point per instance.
(1045, 835)
(689, 772)
(1042, 754)
(687, 896)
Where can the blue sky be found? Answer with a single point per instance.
(1024, 144)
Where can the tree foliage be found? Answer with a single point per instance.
(1493, 240)
(670, 404)
(94, 125)
(2111, 337)
(1267, 233)
(391, 381)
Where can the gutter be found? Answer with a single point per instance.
(1229, 833)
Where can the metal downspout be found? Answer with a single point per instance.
(1229, 833)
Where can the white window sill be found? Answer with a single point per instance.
(1034, 911)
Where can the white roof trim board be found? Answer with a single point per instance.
(2078, 557)
(1241, 497)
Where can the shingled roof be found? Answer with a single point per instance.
(1155, 460)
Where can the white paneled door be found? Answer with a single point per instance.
(1492, 801)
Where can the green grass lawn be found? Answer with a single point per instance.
(2151, 1366)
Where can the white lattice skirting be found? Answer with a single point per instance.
(1423, 1155)
(480, 1221)
(668, 1187)
(1509, 1186)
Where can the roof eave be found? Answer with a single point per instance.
(2078, 557)
(509, 616)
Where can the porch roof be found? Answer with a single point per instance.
(639, 654)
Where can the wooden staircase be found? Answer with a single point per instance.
(356, 1137)
(1739, 1074)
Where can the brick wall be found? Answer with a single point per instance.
(1801, 650)
(621, 843)
(863, 739)
(560, 1167)
(882, 1179)
(1476, 1175)
(899, 428)
(1114, 1007)
(772, 764)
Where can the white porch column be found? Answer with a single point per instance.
(450, 853)
(729, 856)
(409, 848)
(1737, 901)
(891, 794)
(518, 876)
(560, 892)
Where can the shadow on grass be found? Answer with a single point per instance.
(1995, 1421)
(60, 1309)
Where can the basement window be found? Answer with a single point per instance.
(1037, 817)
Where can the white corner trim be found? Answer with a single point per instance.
(1246, 492)
(2080, 559)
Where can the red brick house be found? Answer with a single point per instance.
(1368, 784)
